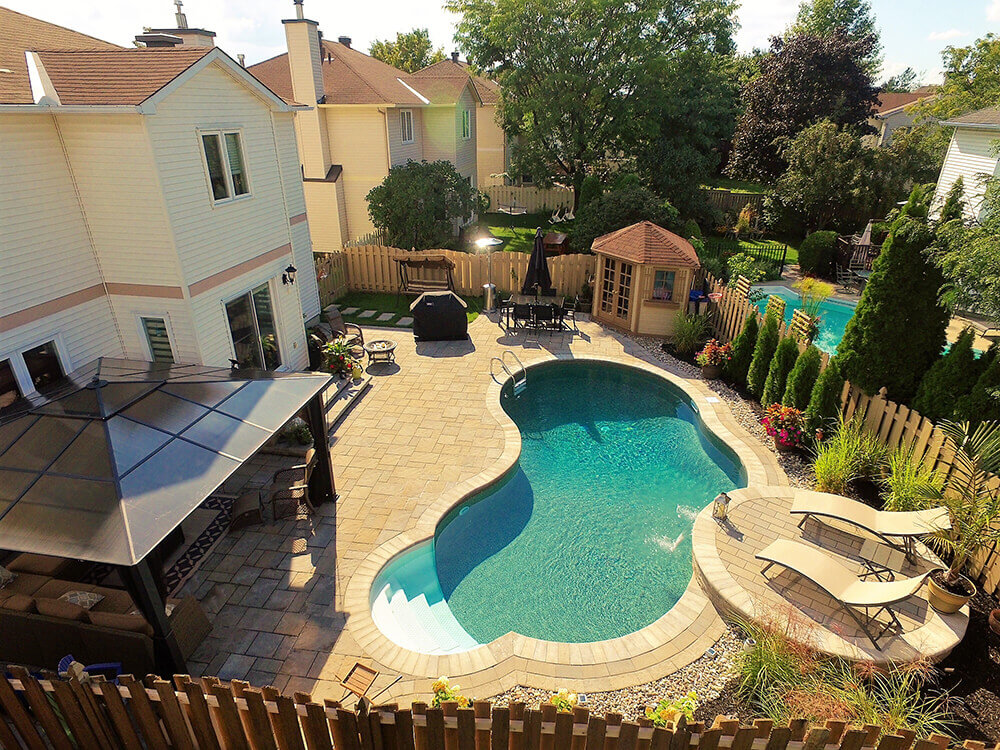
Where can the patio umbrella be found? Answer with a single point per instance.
(538, 268)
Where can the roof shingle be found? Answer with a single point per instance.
(988, 116)
(650, 244)
(489, 91)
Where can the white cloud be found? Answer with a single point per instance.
(762, 19)
(993, 11)
(941, 36)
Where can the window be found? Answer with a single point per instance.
(466, 124)
(663, 286)
(10, 393)
(253, 330)
(406, 125)
(226, 166)
(158, 339)
(43, 366)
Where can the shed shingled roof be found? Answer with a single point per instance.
(649, 244)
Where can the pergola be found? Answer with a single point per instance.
(103, 468)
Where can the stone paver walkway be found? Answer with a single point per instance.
(289, 601)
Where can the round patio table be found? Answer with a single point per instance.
(381, 350)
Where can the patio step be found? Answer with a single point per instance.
(338, 407)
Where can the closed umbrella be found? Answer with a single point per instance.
(538, 278)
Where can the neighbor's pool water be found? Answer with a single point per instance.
(587, 538)
(834, 315)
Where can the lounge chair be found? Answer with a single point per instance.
(889, 526)
(843, 584)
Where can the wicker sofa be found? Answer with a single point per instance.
(39, 628)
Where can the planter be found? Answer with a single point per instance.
(784, 447)
(945, 601)
(995, 621)
(711, 372)
(358, 373)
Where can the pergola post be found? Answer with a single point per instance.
(323, 473)
(141, 582)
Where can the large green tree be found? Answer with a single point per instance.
(901, 83)
(411, 51)
(573, 71)
(971, 79)
(617, 208)
(805, 79)
(851, 17)
(418, 204)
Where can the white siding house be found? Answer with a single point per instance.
(972, 155)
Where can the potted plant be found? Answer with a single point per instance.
(785, 425)
(338, 357)
(713, 357)
(973, 503)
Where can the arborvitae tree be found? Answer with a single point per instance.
(777, 375)
(898, 330)
(954, 203)
(739, 365)
(983, 403)
(802, 378)
(763, 351)
(950, 378)
(824, 403)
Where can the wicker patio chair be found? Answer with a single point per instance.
(248, 510)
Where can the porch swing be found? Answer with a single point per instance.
(418, 283)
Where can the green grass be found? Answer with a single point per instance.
(735, 186)
(400, 308)
(517, 232)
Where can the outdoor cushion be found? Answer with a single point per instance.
(6, 577)
(85, 599)
(25, 583)
(60, 609)
(129, 623)
(54, 588)
(19, 603)
(43, 565)
(115, 601)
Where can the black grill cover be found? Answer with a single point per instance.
(439, 316)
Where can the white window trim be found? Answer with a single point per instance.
(278, 323)
(165, 317)
(408, 114)
(227, 171)
(466, 124)
(21, 374)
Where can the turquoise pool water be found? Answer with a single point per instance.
(834, 315)
(588, 536)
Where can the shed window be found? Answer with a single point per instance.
(663, 285)
(227, 173)
(43, 366)
(406, 126)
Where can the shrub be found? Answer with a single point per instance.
(669, 711)
(689, 331)
(763, 351)
(851, 453)
(908, 482)
(691, 229)
(744, 264)
(983, 401)
(954, 204)
(743, 346)
(624, 205)
(950, 378)
(590, 189)
(817, 253)
(777, 375)
(824, 402)
(802, 378)
(714, 265)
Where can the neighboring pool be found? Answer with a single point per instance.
(588, 535)
(834, 315)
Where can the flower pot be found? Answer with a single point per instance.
(357, 373)
(783, 447)
(945, 601)
(711, 372)
(995, 621)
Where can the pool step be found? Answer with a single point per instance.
(422, 623)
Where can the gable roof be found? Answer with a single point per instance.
(489, 91)
(648, 243)
(890, 102)
(21, 33)
(349, 77)
(116, 77)
(988, 117)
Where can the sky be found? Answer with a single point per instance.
(913, 31)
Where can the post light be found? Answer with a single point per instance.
(720, 507)
(288, 277)
(488, 244)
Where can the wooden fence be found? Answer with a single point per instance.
(372, 269)
(732, 203)
(207, 714)
(534, 200)
(895, 424)
(331, 275)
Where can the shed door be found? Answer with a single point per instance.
(616, 289)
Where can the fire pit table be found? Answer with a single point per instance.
(381, 350)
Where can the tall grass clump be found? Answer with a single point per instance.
(851, 453)
(908, 483)
(689, 331)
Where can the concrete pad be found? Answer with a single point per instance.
(367, 314)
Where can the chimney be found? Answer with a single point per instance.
(454, 57)
(158, 39)
(345, 40)
(305, 57)
(187, 37)
(242, 59)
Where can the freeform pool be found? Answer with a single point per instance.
(586, 538)
(834, 315)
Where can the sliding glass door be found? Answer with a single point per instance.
(253, 329)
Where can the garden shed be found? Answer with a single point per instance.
(643, 278)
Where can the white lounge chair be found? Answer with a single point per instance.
(569, 215)
(843, 584)
(556, 217)
(890, 526)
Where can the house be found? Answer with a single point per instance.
(152, 208)
(971, 155)
(365, 117)
(894, 111)
(491, 142)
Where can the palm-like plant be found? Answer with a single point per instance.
(971, 493)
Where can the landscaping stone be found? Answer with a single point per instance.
(367, 314)
(407, 321)
(349, 310)
(386, 316)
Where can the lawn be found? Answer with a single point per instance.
(735, 186)
(389, 303)
(518, 232)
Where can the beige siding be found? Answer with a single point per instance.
(400, 152)
(439, 133)
(970, 155)
(324, 213)
(358, 143)
(491, 155)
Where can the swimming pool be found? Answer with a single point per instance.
(834, 315)
(586, 538)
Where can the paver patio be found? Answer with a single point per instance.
(289, 600)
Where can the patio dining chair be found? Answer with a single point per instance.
(523, 316)
(545, 316)
(569, 312)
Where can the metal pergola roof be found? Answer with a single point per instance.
(103, 468)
